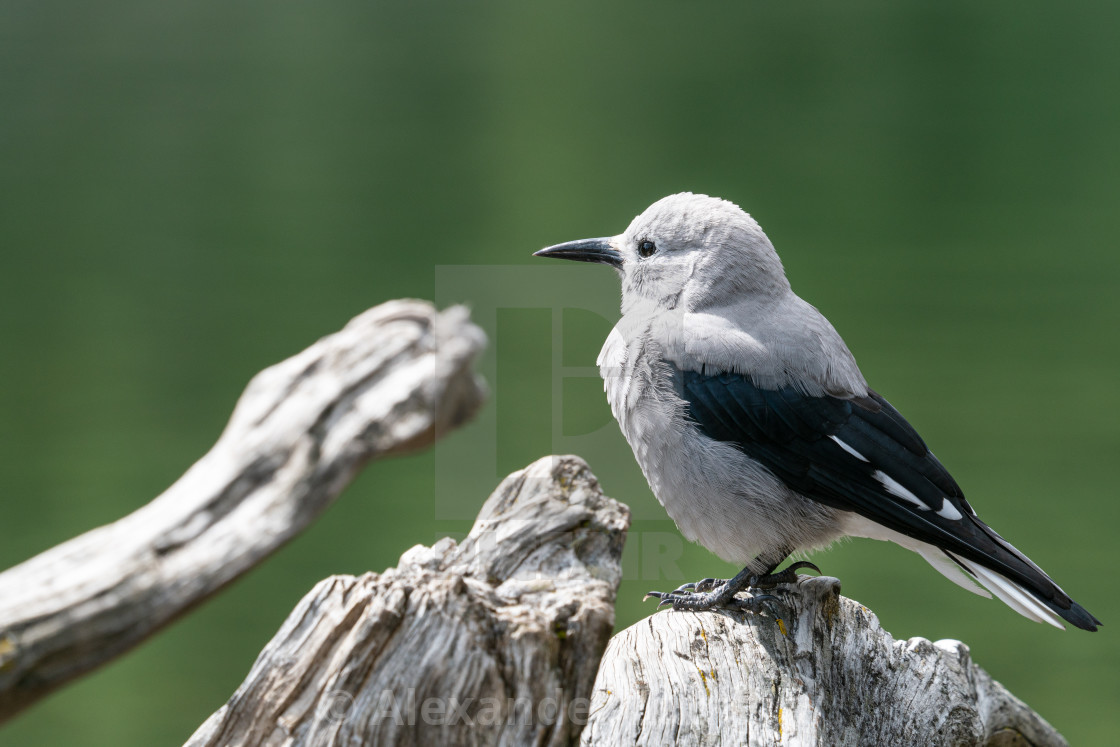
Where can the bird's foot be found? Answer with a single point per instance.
(704, 584)
(716, 593)
(786, 576)
(693, 601)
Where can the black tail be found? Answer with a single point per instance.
(1014, 578)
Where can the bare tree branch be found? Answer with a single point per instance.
(391, 381)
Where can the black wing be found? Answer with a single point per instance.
(860, 455)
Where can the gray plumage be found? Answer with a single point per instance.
(745, 410)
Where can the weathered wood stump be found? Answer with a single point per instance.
(495, 640)
(822, 673)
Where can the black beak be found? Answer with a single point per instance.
(585, 250)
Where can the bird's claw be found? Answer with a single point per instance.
(714, 593)
(704, 584)
(684, 600)
(755, 604)
(786, 576)
(665, 598)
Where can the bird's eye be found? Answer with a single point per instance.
(646, 248)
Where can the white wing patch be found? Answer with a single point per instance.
(894, 487)
(949, 511)
(849, 449)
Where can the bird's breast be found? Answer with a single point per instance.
(716, 494)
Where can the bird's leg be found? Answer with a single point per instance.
(695, 597)
(711, 593)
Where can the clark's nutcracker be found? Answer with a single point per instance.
(757, 431)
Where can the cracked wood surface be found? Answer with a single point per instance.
(824, 673)
(494, 640)
(391, 381)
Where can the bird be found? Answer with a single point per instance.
(756, 429)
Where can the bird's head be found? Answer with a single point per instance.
(686, 251)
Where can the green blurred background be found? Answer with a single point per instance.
(191, 192)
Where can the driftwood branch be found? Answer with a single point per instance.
(824, 673)
(391, 381)
(492, 641)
